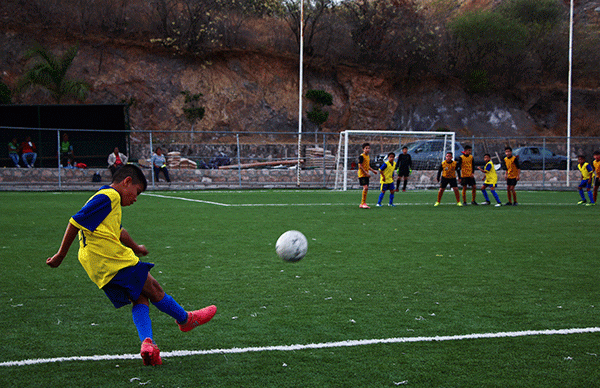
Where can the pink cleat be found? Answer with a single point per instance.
(364, 206)
(150, 353)
(198, 317)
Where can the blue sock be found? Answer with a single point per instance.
(485, 195)
(169, 306)
(381, 197)
(590, 196)
(141, 319)
(581, 194)
(391, 199)
(496, 196)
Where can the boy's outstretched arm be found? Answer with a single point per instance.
(128, 242)
(67, 240)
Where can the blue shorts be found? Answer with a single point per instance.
(126, 287)
(387, 186)
(490, 185)
(585, 184)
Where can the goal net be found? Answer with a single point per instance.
(427, 150)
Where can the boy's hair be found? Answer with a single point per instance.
(581, 157)
(507, 148)
(488, 155)
(449, 153)
(391, 153)
(405, 148)
(468, 147)
(365, 145)
(596, 152)
(133, 171)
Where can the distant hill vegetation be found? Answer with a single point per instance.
(487, 44)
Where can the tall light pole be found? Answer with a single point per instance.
(570, 92)
(300, 81)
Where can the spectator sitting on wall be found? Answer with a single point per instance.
(116, 160)
(66, 151)
(159, 163)
(13, 151)
(28, 149)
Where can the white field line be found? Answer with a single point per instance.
(186, 199)
(324, 345)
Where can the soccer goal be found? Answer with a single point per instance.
(427, 150)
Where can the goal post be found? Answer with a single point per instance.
(427, 149)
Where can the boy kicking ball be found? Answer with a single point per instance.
(109, 256)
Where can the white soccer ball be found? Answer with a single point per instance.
(291, 246)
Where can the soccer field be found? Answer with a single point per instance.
(411, 296)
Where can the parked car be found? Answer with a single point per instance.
(531, 158)
(425, 154)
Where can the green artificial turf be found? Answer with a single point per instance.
(410, 271)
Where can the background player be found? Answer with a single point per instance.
(464, 170)
(513, 174)
(364, 167)
(491, 180)
(596, 164)
(448, 172)
(404, 168)
(386, 178)
(587, 174)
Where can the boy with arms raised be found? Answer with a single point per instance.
(464, 170)
(587, 174)
(491, 180)
(386, 178)
(364, 169)
(447, 171)
(513, 174)
(109, 256)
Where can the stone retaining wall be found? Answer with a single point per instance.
(48, 179)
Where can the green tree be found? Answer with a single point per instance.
(192, 111)
(50, 72)
(319, 99)
(5, 94)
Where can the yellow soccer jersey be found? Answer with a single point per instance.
(466, 166)
(449, 169)
(491, 177)
(101, 252)
(512, 167)
(585, 170)
(386, 172)
(365, 162)
(597, 169)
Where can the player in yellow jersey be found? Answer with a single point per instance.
(587, 175)
(491, 180)
(364, 170)
(596, 165)
(447, 171)
(109, 256)
(466, 177)
(513, 174)
(386, 178)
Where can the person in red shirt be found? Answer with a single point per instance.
(28, 149)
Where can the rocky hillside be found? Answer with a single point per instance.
(251, 91)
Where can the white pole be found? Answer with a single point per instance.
(345, 161)
(570, 92)
(300, 90)
(151, 164)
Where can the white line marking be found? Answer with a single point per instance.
(186, 199)
(323, 345)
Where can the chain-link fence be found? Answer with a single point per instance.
(212, 159)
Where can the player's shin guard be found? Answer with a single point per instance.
(485, 195)
(391, 198)
(404, 186)
(169, 306)
(141, 319)
(496, 196)
(364, 197)
(381, 195)
(581, 194)
(590, 196)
